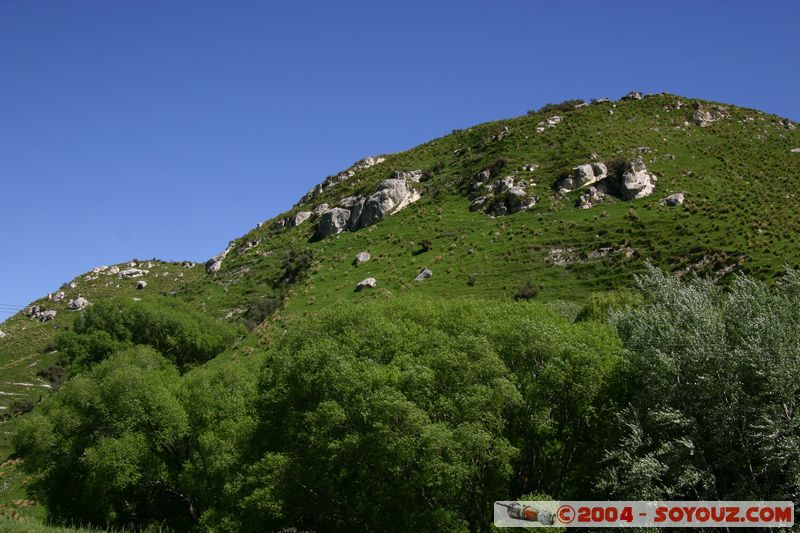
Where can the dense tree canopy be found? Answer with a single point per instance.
(712, 389)
(180, 333)
(416, 414)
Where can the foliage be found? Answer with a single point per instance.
(402, 416)
(712, 391)
(171, 327)
(566, 105)
(599, 304)
(295, 267)
(527, 291)
(129, 442)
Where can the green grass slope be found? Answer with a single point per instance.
(739, 174)
(740, 178)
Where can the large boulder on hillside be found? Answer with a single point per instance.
(673, 200)
(633, 95)
(2, 334)
(215, 263)
(354, 204)
(583, 175)
(132, 273)
(424, 274)
(637, 181)
(57, 297)
(333, 221)
(361, 257)
(300, 217)
(321, 208)
(43, 315)
(391, 196)
(78, 304)
(368, 283)
(591, 197)
(141, 284)
(517, 199)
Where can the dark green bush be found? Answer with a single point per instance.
(182, 334)
(527, 291)
(566, 105)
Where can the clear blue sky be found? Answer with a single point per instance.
(166, 128)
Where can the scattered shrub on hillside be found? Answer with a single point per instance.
(295, 267)
(566, 105)
(260, 309)
(498, 165)
(20, 407)
(527, 291)
(54, 374)
(600, 304)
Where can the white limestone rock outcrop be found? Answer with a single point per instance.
(673, 200)
(141, 284)
(332, 222)
(361, 258)
(502, 197)
(78, 304)
(132, 273)
(591, 197)
(633, 95)
(2, 334)
(637, 182)
(300, 217)
(42, 315)
(391, 196)
(424, 274)
(321, 208)
(548, 123)
(215, 263)
(355, 212)
(368, 283)
(583, 175)
(332, 181)
(705, 116)
(57, 297)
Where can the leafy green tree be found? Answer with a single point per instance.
(411, 414)
(130, 442)
(182, 334)
(107, 444)
(713, 383)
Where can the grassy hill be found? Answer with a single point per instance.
(736, 166)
